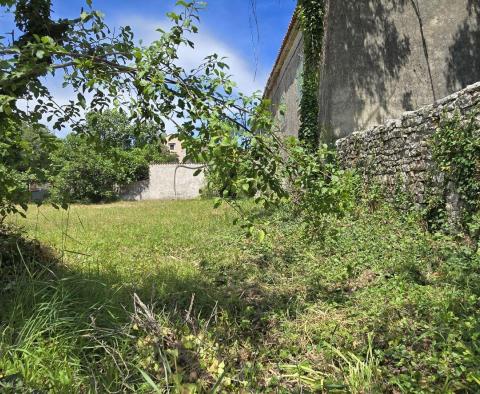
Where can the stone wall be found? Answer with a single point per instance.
(380, 58)
(167, 182)
(284, 88)
(397, 153)
(384, 57)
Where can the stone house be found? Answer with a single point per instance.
(174, 145)
(380, 58)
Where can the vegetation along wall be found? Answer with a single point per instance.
(414, 151)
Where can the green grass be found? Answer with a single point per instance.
(155, 296)
(153, 247)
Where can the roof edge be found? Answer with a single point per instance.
(287, 42)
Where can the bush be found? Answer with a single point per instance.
(109, 153)
(82, 174)
(456, 151)
(88, 173)
(24, 152)
(319, 188)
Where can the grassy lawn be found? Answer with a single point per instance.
(153, 247)
(151, 296)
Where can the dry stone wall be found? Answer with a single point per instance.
(397, 154)
(384, 57)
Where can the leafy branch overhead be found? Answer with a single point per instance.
(106, 68)
(231, 133)
(108, 65)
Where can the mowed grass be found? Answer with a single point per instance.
(170, 296)
(155, 247)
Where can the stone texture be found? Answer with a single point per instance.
(380, 58)
(286, 92)
(383, 57)
(397, 154)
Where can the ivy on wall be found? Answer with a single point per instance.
(310, 14)
(456, 151)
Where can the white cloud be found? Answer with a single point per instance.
(205, 44)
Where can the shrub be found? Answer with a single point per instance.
(82, 174)
(456, 151)
(24, 152)
(85, 172)
(319, 188)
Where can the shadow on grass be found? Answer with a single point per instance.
(93, 314)
(229, 287)
(238, 307)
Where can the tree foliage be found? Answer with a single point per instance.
(113, 129)
(24, 154)
(110, 152)
(231, 133)
(13, 183)
(83, 174)
(215, 123)
(456, 151)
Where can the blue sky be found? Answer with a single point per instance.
(227, 27)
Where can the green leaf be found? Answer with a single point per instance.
(150, 382)
(182, 3)
(217, 203)
(81, 100)
(260, 235)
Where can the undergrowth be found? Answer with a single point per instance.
(378, 304)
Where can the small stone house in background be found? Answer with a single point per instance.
(174, 145)
(380, 58)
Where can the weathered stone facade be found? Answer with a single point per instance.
(384, 57)
(380, 58)
(398, 153)
(285, 86)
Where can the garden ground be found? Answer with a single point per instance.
(155, 296)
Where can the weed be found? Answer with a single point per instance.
(168, 296)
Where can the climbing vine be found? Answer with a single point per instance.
(456, 151)
(310, 14)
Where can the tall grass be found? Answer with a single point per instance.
(169, 297)
(68, 322)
